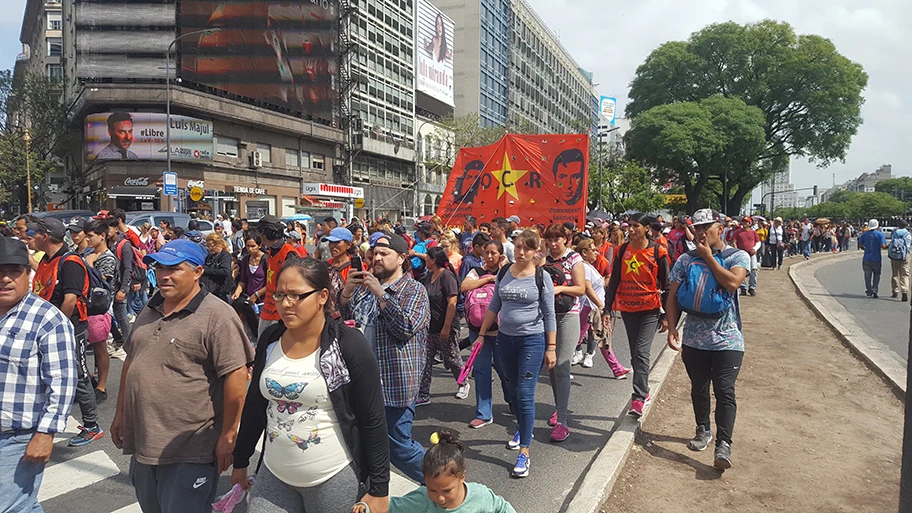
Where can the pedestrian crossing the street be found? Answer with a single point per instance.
(94, 468)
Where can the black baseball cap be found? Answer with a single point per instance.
(49, 226)
(13, 252)
(77, 224)
(394, 242)
(270, 219)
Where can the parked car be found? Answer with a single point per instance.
(888, 231)
(135, 220)
(65, 215)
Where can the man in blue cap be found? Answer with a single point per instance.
(182, 387)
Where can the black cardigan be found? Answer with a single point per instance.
(357, 401)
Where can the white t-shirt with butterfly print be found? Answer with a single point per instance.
(304, 444)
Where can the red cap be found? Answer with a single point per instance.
(102, 214)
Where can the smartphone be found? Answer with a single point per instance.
(357, 264)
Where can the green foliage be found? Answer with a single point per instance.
(859, 206)
(626, 186)
(31, 101)
(809, 94)
(900, 188)
(695, 143)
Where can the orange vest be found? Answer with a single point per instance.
(273, 264)
(638, 290)
(45, 281)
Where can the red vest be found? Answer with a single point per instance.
(273, 264)
(46, 280)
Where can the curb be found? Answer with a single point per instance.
(877, 356)
(604, 470)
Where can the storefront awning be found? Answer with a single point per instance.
(142, 193)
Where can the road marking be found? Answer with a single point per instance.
(76, 473)
(72, 429)
(132, 508)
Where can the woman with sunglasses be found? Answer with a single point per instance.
(316, 400)
(638, 281)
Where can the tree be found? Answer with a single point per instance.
(900, 188)
(694, 143)
(858, 206)
(33, 102)
(809, 94)
(627, 186)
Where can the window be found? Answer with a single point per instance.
(55, 72)
(291, 158)
(55, 47)
(55, 21)
(226, 146)
(265, 151)
(318, 162)
(305, 160)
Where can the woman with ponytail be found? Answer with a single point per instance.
(443, 335)
(444, 471)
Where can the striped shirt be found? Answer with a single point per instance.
(398, 334)
(37, 367)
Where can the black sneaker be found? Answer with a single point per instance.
(723, 456)
(100, 396)
(905, 298)
(752, 292)
(743, 291)
(701, 440)
(874, 295)
(895, 295)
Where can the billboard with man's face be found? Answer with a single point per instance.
(280, 55)
(435, 53)
(142, 136)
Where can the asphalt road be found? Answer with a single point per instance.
(884, 319)
(95, 477)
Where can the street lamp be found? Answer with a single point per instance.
(27, 138)
(601, 165)
(168, 86)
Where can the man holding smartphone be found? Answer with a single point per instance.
(393, 311)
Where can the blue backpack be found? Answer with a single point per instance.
(700, 294)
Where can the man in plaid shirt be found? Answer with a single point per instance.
(37, 379)
(392, 310)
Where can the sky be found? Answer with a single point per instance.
(612, 40)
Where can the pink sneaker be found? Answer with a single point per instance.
(623, 374)
(637, 406)
(559, 433)
(553, 420)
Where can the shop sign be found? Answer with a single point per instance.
(330, 205)
(196, 183)
(330, 189)
(241, 189)
(137, 182)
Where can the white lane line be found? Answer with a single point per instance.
(72, 429)
(400, 485)
(132, 508)
(76, 473)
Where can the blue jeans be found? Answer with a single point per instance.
(522, 359)
(483, 363)
(120, 315)
(137, 300)
(806, 248)
(405, 453)
(21, 479)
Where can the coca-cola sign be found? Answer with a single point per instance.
(137, 182)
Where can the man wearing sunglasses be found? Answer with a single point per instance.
(182, 387)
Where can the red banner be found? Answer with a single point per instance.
(540, 178)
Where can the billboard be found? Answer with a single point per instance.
(141, 136)
(435, 53)
(281, 55)
(608, 108)
(540, 178)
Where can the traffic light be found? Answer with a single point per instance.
(815, 190)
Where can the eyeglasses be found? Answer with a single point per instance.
(295, 298)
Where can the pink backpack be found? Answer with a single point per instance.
(476, 303)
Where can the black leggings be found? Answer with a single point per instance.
(721, 368)
(776, 255)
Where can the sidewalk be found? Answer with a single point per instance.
(816, 429)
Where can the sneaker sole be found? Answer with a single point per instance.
(522, 474)
(722, 464)
(479, 426)
(699, 449)
(86, 441)
(559, 440)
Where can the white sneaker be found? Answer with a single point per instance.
(577, 357)
(587, 361)
(463, 391)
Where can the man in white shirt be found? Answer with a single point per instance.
(499, 227)
(807, 233)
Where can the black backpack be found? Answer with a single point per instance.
(100, 295)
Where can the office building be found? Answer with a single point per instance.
(866, 182)
(779, 191)
(512, 71)
(263, 138)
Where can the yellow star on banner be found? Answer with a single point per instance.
(269, 275)
(507, 176)
(633, 265)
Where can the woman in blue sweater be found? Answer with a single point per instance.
(527, 335)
